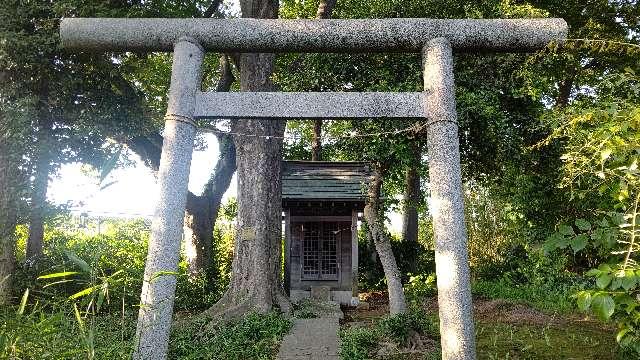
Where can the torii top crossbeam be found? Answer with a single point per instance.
(277, 35)
(332, 35)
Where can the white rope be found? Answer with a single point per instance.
(415, 128)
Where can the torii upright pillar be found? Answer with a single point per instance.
(159, 283)
(445, 182)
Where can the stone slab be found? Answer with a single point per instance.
(321, 293)
(310, 105)
(322, 35)
(341, 297)
(314, 339)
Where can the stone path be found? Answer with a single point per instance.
(315, 339)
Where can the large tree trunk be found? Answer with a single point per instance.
(412, 197)
(316, 141)
(374, 218)
(202, 211)
(40, 186)
(8, 196)
(256, 281)
(325, 10)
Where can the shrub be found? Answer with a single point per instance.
(357, 343)
(412, 258)
(420, 287)
(400, 327)
(108, 266)
(531, 277)
(601, 152)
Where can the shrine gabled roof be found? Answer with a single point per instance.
(323, 180)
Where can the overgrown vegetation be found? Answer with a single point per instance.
(80, 299)
(530, 276)
(54, 332)
(544, 342)
(255, 336)
(391, 335)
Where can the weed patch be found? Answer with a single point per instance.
(55, 334)
(414, 333)
(255, 336)
(548, 297)
(537, 342)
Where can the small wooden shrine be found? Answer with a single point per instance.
(321, 202)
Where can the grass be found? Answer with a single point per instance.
(255, 336)
(357, 343)
(55, 334)
(551, 298)
(495, 340)
(510, 341)
(393, 332)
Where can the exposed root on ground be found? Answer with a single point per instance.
(235, 304)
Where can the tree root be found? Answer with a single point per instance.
(225, 314)
(284, 304)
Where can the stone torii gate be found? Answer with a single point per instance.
(435, 39)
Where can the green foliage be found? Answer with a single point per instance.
(420, 287)
(223, 244)
(496, 228)
(399, 328)
(601, 156)
(551, 298)
(82, 297)
(356, 343)
(533, 278)
(305, 309)
(104, 271)
(54, 333)
(90, 268)
(412, 258)
(593, 241)
(255, 336)
(361, 342)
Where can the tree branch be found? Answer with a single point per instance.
(226, 75)
(325, 9)
(148, 148)
(212, 9)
